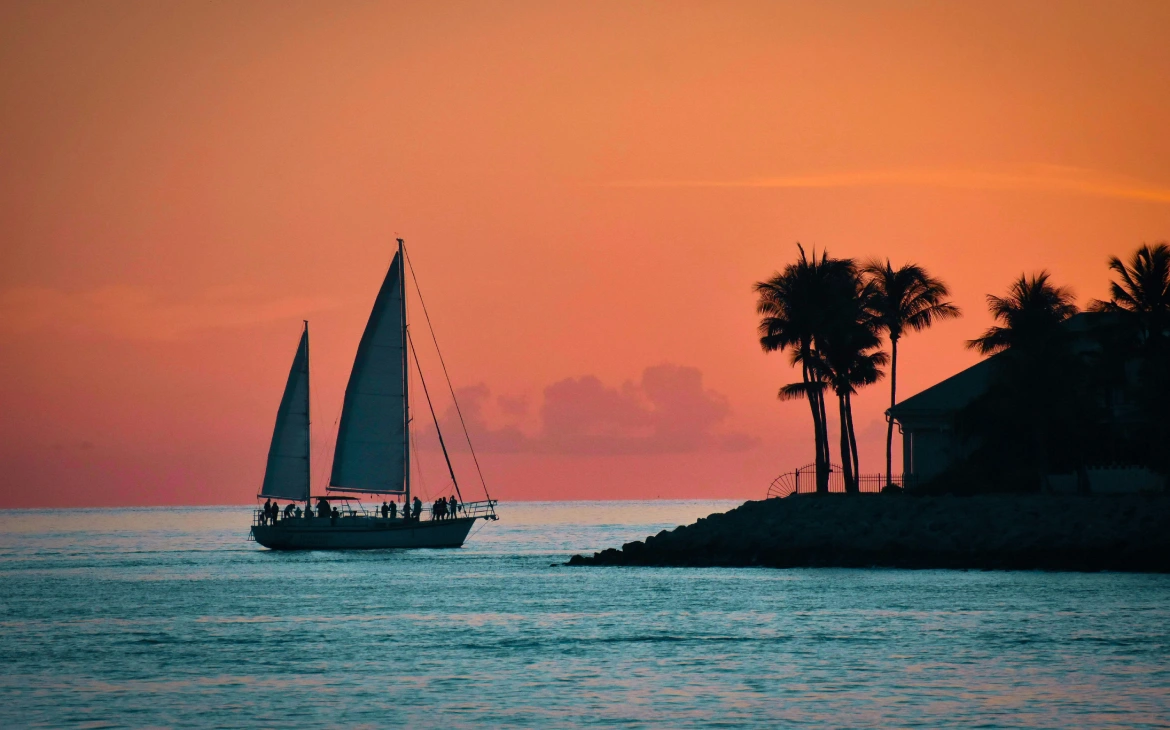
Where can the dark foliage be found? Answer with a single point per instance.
(818, 310)
(1065, 395)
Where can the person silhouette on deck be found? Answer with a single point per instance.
(323, 508)
(267, 511)
(385, 510)
(393, 510)
(417, 511)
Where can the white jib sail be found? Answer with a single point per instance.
(287, 474)
(371, 440)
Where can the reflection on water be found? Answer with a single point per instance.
(170, 617)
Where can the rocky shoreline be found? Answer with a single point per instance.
(995, 532)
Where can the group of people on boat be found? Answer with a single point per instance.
(389, 510)
(271, 512)
(444, 508)
(441, 509)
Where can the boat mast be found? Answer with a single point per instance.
(308, 424)
(405, 375)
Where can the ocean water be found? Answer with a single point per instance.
(171, 618)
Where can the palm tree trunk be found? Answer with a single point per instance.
(821, 422)
(853, 443)
(846, 453)
(818, 428)
(890, 419)
(826, 456)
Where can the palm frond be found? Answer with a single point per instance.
(799, 391)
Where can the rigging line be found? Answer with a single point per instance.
(450, 387)
(416, 464)
(477, 529)
(314, 407)
(422, 483)
(439, 431)
(324, 467)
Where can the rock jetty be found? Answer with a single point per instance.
(995, 531)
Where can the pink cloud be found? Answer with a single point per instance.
(667, 411)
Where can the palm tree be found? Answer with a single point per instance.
(1141, 298)
(1031, 314)
(1143, 290)
(790, 308)
(816, 309)
(1039, 371)
(906, 299)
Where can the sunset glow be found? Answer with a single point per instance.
(588, 192)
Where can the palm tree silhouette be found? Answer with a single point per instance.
(1031, 314)
(1143, 291)
(1038, 373)
(906, 299)
(791, 305)
(816, 308)
(1141, 300)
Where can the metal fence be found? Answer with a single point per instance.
(804, 481)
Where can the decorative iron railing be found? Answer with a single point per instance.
(804, 481)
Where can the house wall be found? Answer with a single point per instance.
(930, 446)
(932, 451)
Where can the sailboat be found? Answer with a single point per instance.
(372, 453)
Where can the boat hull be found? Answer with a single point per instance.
(362, 533)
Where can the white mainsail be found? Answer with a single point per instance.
(287, 473)
(371, 453)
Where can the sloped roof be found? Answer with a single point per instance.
(960, 389)
(949, 395)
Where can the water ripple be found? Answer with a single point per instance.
(130, 618)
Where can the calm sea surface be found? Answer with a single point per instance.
(116, 618)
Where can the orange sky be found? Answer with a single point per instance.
(588, 191)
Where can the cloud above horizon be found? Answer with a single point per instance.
(668, 411)
(1035, 178)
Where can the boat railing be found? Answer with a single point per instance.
(485, 509)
